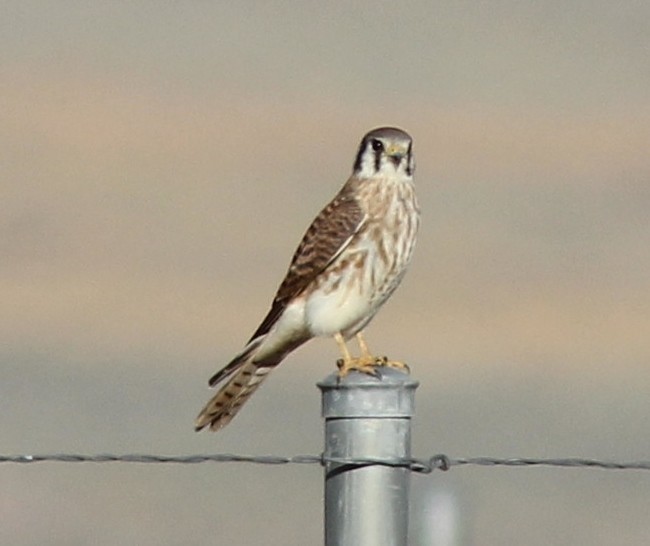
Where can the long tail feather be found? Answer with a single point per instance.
(244, 377)
(236, 362)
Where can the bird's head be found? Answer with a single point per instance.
(386, 151)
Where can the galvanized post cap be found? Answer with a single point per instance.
(390, 395)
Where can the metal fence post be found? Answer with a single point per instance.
(367, 418)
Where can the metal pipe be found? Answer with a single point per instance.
(368, 418)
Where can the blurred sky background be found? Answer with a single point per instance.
(159, 162)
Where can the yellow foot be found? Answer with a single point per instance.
(367, 364)
(383, 361)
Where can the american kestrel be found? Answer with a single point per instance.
(349, 262)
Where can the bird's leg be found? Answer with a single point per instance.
(380, 360)
(364, 364)
(344, 350)
(365, 352)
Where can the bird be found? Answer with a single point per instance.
(348, 263)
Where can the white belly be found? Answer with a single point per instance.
(330, 312)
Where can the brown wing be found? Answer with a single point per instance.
(325, 239)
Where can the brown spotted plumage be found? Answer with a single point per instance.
(349, 262)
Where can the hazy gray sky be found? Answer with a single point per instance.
(159, 162)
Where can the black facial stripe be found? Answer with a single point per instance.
(378, 153)
(409, 170)
(359, 159)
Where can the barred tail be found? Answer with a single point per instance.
(244, 377)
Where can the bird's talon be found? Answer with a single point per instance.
(396, 364)
(369, 366)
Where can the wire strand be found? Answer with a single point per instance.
(421, 466)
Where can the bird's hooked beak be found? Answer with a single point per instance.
(395, 153)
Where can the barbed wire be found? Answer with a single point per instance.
(421, 466)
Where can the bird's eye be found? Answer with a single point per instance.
(377, 145)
